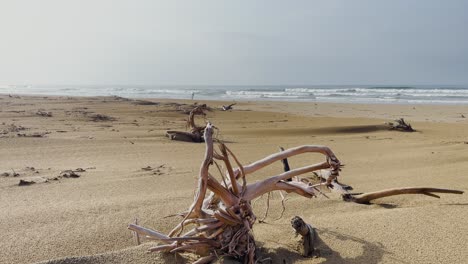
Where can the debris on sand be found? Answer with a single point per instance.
(25, 182)
(44, 113)
(32, 180)
(69, 174)
(400, 125)
(144, 102)
(227, 107)
(33, 135)
(119, 98)
(31, 175)
(12, 128)
(148, 168)
(101, 118)
(8, 174)
(156, 170)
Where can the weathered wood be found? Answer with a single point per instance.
(307, 233)
(285, 163)
(400, 125)
(365, 198)
(224, 219)
(228, 107)
(195, 133)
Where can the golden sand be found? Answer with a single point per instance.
(83, 220)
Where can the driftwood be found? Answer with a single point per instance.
(187, 108)
(228, 107)
(285, 164)
(100, 118)
(334, 185)
(44, 113)
(196, 132)
(400, 125)
(365, 198)
(219, 223)
(308, 235)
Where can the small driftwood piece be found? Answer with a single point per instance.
(100, 118)
(334, 185)
(228, 107)
(219, 222)
(400, 125)
(366, 198)
(44, 113)
(308, 235)
(196, 132)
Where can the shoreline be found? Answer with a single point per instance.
(351, 100)
(420, 112)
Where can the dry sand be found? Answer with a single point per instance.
(83, 220)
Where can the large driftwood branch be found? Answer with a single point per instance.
(220, 223)
(195, 133)
(365, 198)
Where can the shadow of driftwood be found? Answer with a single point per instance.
(387, 205)
(175, 258)
(352, 129)
(459, 204)
(371, 252)
(279, 255)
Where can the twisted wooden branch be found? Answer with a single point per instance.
(365, 198)
(196, 132)
(222, 221)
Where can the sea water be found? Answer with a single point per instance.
(308, 93)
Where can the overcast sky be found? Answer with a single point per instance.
(233, 42)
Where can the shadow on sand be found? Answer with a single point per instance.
(372, 253)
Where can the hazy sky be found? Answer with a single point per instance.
(233, 42)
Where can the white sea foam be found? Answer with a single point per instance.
(348, 94)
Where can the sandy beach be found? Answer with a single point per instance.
(126, 168)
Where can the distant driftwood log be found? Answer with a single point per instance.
(195, 134)
(400, 125)
(228, 107)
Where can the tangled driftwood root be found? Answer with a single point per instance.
(196, 132)
(221, 217)
(221, 221)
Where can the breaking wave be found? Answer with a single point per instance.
(348, 94)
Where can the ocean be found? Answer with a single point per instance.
(301, 93)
